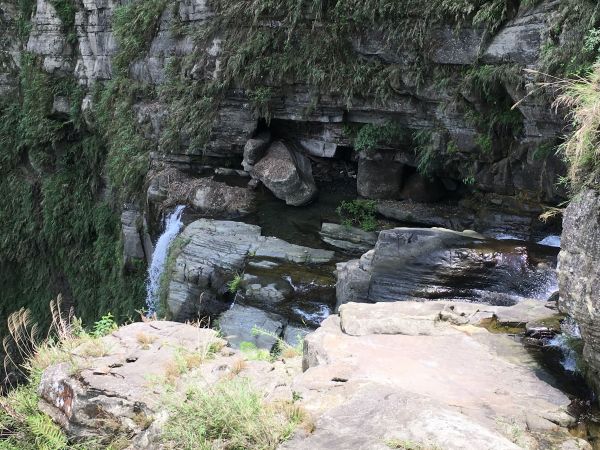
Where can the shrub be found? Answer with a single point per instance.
(359, 213)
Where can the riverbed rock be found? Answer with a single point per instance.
(439, 264)
(286, 173)
(579, 274)
(210, 255)
(237, 325)
(379, 177)
(347, 238)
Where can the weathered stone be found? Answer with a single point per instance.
(407, 388)
(255, 149)
(349, 239)
(286, 173)
(219, 200)
(110, 393)
(435, 318)
(213, 253)
(579, 274)
(237, 325)
(379, 178)
(133, 242)
(438, 264)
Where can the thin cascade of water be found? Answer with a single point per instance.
(564, 341)
(173, 225)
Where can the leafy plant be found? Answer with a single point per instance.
(371, 136)
(104, 326)
(253, 353)
(359, 213)
(234, 284)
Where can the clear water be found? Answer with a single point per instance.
(173, 224)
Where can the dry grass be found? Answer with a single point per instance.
(238, 366)
(145, 340)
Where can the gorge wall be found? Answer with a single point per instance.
(103, 101)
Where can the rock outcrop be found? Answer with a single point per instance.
(455, 387)
(316, 122)
(435, 264)
(579, 274)
(213, 252)
(377, 376)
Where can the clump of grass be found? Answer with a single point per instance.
(145, 340)
(134, 25)
(235, 283)
(252, 353)
(581, 148)
(360, 213)
(231, 414)
(281, 348)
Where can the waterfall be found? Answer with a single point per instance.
(173, 225)
(564, 341)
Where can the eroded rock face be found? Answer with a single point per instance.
(213, 252)
(286, 173)
(436, 264)
(579, 274)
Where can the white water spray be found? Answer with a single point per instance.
(564, 341)
(173, 225)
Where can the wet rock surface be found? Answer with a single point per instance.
(213, 252)
(579, 274)
(437, 264)
(348, 239)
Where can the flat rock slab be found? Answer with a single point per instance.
(435, 318)
(458, 388)
(349, 239)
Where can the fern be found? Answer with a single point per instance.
(47, 435)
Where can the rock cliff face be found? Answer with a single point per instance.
(118, 102)
(579, 274)
(445, 108)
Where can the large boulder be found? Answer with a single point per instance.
(579, 274)
(439, 264)
(210, 254)
(286, 173)
(379, 177)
